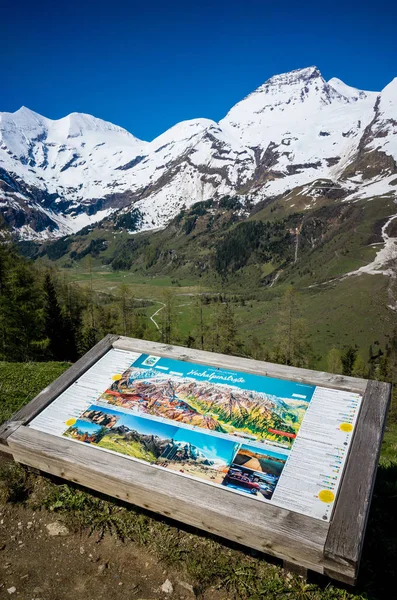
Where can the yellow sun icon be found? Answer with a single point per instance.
(326, 496)
(346, 427)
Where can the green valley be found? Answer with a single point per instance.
(233, 251)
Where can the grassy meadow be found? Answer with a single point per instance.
(339, 313)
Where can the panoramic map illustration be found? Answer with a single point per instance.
(249, 406)
(225, 427)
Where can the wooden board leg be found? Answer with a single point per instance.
(295, 569)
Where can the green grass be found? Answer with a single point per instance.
(147, 288)
(20, 382)
(130, 448)
(351, 311)
(348, 311)
(205, 560)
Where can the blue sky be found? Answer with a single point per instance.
(211, 445)
(147, 65)
(86, 426)
(140, 424)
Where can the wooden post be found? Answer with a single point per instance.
(342, 551)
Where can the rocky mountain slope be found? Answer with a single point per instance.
(295, 136)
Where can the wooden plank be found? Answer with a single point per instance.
(295, 538)
(46, 396)
(247, 365)
(295, 569)
(6, 429)
(346, 533)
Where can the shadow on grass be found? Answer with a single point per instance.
(210, 560)
(378, 572)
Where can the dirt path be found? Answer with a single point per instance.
(35, 564)
(156, 313)
(160, 309)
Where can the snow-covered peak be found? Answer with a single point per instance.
(389, 94)
(79, 124)
(30, 125)
(75, 140)
(22, 116)
(293, 130)
(298, 75)
(282, 102)
(384, 129)
(348, 91)
(294, 86)
(183, 131)
(18, 128)
(24, 120)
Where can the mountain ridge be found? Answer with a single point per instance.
(57, 176)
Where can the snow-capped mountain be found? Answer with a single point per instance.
(288, 136)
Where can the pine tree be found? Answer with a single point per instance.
(168, 325)
(214, 327)
(371, 362)
(228, 343)
(139, 326)
(256, 349)
(348, 358)
(334, 362)
(359, 368)
(73, 309)
(200, 331)
(292, 346)
(24, 326)
(90, 333)
(393, 358)
(108, 320)
(91, 304)
(5, 269)
(54, 325)
(22, 334)
(382, 370)
(126, 302)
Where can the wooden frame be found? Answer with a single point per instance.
(332, 548)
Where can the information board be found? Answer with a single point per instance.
(274, 440)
